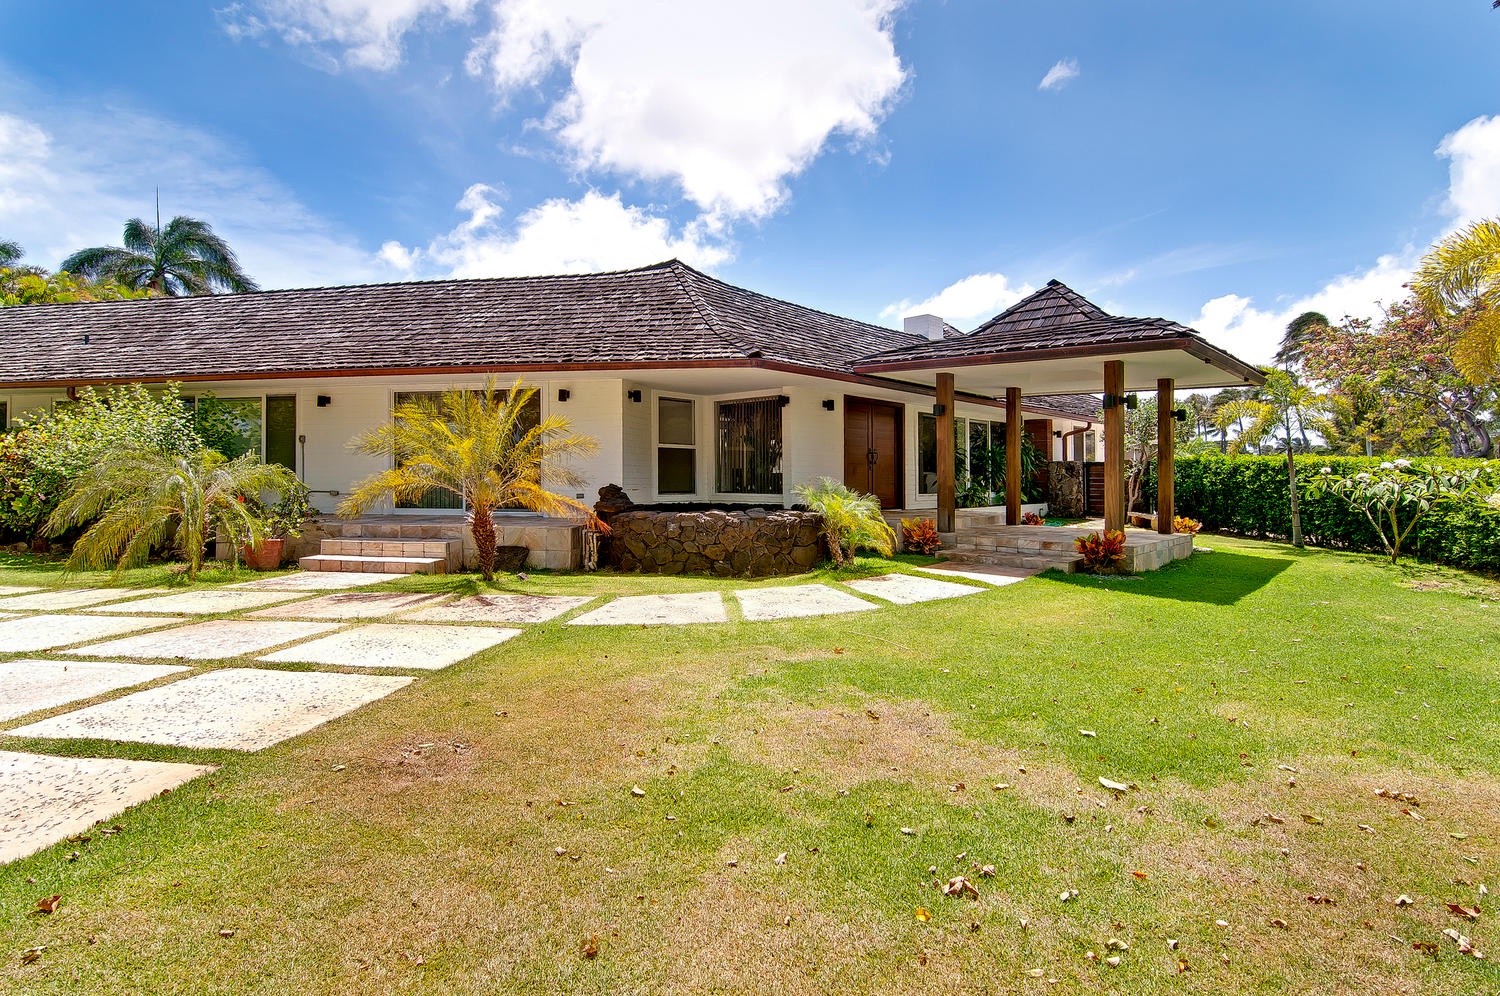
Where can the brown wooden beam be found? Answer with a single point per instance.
(1114, 444)
(947, 487)
(1013, 426)
(1166, 454)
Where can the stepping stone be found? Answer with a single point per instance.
(208, 641)
(377, 645)
(16, 589)
(998, 576)
(73, 598)
(904, 589)
(33, 685)
(500, 609)
(313, 581)
(204, 602)
(234, 709)
(760, 604)
(48, 632)
(350, 605)
(47, 799)
(657, 610)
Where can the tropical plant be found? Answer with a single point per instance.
(1032, 519)
(10, 253)
(1461, 274)
(1298, 331)
(1394, 496)
(920, 535)
(1184, 524)
(33, 285)
(1102, 553)
(185, 258)
(1283, 404)
(140, 499)
(475, 445)
(285, 517)
(851, 520)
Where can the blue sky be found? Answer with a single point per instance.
(1225, 165)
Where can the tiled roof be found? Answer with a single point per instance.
(1084, 406)
(1054, 305)
(663, 314)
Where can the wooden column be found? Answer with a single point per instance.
(947, 487)
(1013, 426)
(1166, 446)
(1114, 445)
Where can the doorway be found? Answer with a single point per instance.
(872, 449)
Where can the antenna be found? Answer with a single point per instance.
(158, 212)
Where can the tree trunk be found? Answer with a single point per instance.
(482, 528)
(1291, 471)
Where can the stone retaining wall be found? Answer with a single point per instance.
(1065, 489)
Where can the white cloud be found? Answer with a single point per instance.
(1234, 323)
(73, 181)
(369, 32)
(1062, 72)
(590, 234)
(1473, 170)
(966, 302)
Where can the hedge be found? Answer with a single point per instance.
(1247, 496)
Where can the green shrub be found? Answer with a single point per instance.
(850, 520)
(1247, 496)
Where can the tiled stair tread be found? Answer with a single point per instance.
(375, 565)
(1067, 563)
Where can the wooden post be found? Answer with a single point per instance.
(1166, 446)
(1114, 445)
(947, 487)
(1013, 456)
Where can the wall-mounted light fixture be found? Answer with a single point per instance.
(563, 394)
(1056, 433)
(1118, 400)
(828, 405)
(1180, 414)
(634, 395)
(324, 401)
(782, 400)
(939, 410)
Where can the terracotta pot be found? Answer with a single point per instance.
(266, 557)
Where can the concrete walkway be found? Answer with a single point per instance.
(95, 645)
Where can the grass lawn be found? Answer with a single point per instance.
(805, 785)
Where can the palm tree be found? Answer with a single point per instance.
(474, 444)
(10, 253)
(1283, 404)
(1298, 331)
(139, 499)
(185, 258)
(1463, 272)
(850, 520)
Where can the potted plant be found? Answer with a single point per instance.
(283, 521)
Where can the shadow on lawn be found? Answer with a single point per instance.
(1217, 578)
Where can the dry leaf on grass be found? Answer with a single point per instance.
(1113, 786)
(1403, 900)
(1467, 912)
(591, 947)
(1316, 821)
(960, 886)
(637, 791)
(226, 932)
(48, 905)
(922, 914)
(1318, 899)
(32, 954)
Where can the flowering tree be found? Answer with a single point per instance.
(1396, 495)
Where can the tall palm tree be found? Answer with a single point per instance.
(10, 253)
(139, 499)
(185, 258)
(474, 444)
(1462, 272)
(1298, 331)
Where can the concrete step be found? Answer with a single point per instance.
(373, 547)
(1001, 540)
(375, 565)
(1068, 563)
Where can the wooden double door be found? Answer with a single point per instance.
(872, 449)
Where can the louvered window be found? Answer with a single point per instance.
(749, 447)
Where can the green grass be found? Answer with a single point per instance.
(433, 869)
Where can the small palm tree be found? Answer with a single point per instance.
(137, 500)
(1299, 331)
(185, 258)
(1463, 272)
(476, 445)
(10, 253)
(850, 520)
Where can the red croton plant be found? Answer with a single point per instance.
(1103, 553)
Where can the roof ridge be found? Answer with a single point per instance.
(706, 311)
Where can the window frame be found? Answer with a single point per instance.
(691, 446)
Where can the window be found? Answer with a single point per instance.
(676, 457)
(4, 416)
(926, 454)
(281, 430)
(1090, 446)
(749, 447)
(531, 417)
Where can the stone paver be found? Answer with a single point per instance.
(382, 645)
(314, 581)
(73, 598)
(998, 576)
(500, 609)
(206, 641)
(906, 589)
(46, 632)
(47, 799)
(203, 602)
(33, 685)
(657, 610)
(17, 589)
(797, 601)
(234, 708)
(351, 605)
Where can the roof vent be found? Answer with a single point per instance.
(926, 326)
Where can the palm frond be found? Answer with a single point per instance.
(1461, 270)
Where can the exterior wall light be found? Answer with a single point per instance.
(324, 401)
(634, 396)
(828, 405)
(563, 394)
